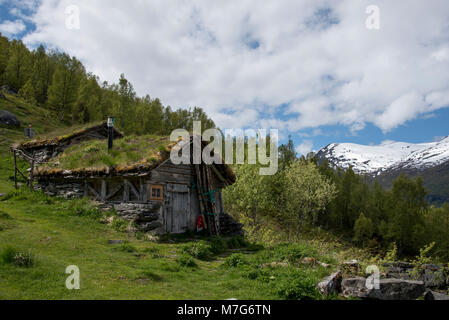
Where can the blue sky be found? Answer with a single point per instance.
(312, 69)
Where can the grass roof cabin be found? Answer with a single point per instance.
(139, 181)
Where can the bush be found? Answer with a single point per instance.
(236, 242)
(297, 286)
(119, 224)
(10, 255)
(186, 261)
(292, 252)
(200, 250)
(217, 245)
(84, 208)
(235, 260)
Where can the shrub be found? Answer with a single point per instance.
(10, 255)
(236, 242)
(200, 250)
(297, 286)
(217, 245)
(292, 252)
(119, 224)
(235, 260)
(84, 208)
(186, 261)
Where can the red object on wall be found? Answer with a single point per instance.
(200, 223)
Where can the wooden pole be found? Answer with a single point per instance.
(31, 174)
(15, 169)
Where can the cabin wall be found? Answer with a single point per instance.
(130, 196)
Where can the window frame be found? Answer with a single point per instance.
(156, 187)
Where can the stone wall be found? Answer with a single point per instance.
(66, 190)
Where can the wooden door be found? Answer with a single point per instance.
(178, 208)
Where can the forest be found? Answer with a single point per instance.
(56, 81)
(307, 196)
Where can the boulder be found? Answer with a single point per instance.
(145, 227)
(433, 295)
(389, 289)
(7, 89)
(115, 241)
(331, 284)
(398, 289)
(354, 287)
(351, 267)
(433, 278)
(8, 119)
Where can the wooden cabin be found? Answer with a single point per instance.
(138, 180)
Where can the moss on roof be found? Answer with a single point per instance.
(62, 135)
(130, 154)
(134, 155)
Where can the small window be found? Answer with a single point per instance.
(156, 192)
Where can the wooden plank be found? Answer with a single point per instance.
(31, 174)
(103, 190)
(92, 190)
(133, 189)
(15, 169)
(114, 191)
(125, 190)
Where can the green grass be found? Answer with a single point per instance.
(58, 233)
(126, 152)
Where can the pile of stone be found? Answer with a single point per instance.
(397, 283)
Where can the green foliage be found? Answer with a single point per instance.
(421, 259)
(10, 255)
(297, 285)
(200, 250)
(119, 224)
(217, 245)
(234, 260)
(363, 229)
(185, 260)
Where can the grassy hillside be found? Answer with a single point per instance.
(57, 233)
(42, 121)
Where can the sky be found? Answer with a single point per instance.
(320, 71)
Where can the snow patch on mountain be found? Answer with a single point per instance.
(388, 155)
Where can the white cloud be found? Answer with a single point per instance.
(11, 28)
(243, 60)
(304, 147)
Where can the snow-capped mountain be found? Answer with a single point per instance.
(389, 156)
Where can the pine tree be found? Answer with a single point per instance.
(27, 92)
(18, 68)
(63, 92)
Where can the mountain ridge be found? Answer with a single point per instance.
(385, 162)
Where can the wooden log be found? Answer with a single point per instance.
(125, 191)
(103, 190)
(31, 174)
(114, 191)
(15, 169)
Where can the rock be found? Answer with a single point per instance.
(351, 267)
(115, 241)
(331, 284)
(389, 289)
(2, 195)
(354, 287)
(433, 278)
(433, 295)
(398, 289)
(274, 264)
(8, 119)
(308, 261)
(149, 226)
